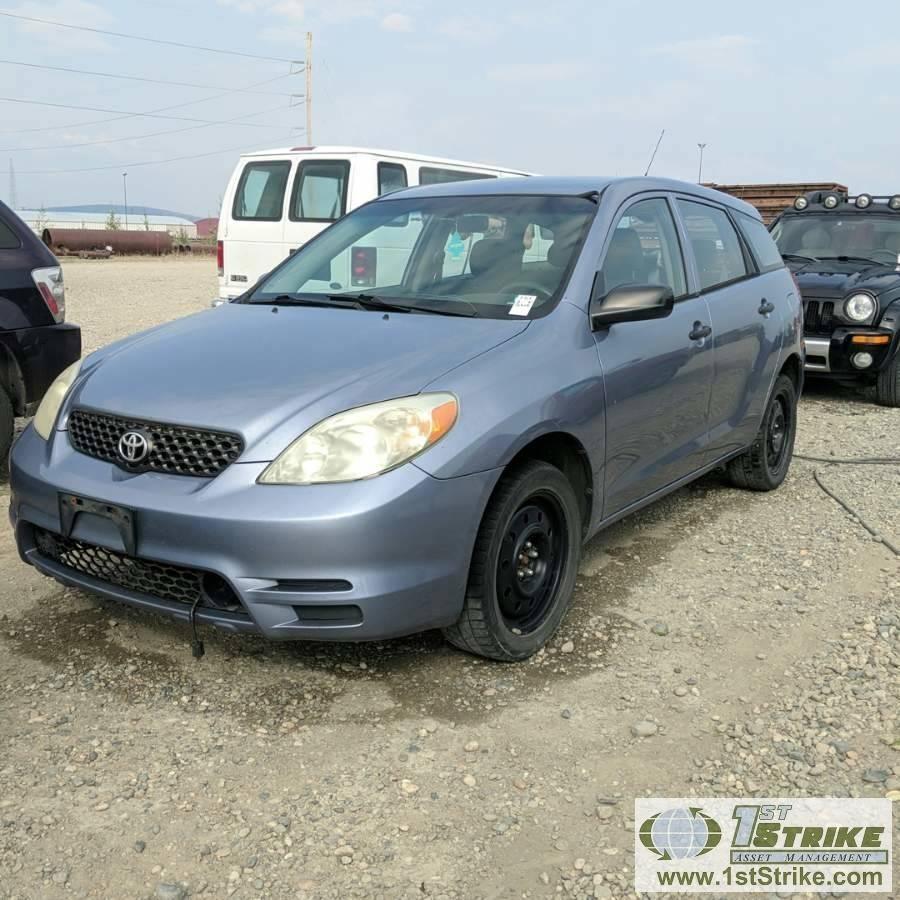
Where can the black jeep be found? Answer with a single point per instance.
(36, 343)
(845, 255)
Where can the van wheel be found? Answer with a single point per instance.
(887, 388)
(7, 427)
(524, 565)
(764, 466)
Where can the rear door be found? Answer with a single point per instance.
(745, 336)
(254, 240)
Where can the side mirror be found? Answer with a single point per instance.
(631, 303)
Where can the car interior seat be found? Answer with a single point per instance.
(625, 261)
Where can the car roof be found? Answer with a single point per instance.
(572, 186)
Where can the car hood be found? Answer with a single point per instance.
(269, 373)
(834, 280)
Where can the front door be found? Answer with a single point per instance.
(657, 373)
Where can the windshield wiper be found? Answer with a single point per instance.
(296, 300)
(865, 259)
(391, 304)
(800, 256)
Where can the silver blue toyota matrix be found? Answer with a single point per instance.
(417, 419)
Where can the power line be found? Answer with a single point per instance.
(125, 113)
(148, 162)
(137, 37)
(140, 137)
(161, 109)
(205, 87)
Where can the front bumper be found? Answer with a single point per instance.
(833, 355)
(398, 546)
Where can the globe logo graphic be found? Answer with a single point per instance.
(680, 833)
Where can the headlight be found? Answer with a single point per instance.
(45, 417)
(859, 307)
(364, 442)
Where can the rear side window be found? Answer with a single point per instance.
(9, 240)
(260, 193)
(431, 175)
(391, 177)
(716, 245)
(320, 190)
(757, 235)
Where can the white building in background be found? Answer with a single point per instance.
(174, 225)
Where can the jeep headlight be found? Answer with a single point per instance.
(859, 307)
(45, 417)
(365, 441)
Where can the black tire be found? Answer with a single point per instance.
(887, 388)
(7, 429)
(765, 464)
(507, 615)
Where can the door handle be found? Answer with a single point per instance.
(765, 307)
(700, 331)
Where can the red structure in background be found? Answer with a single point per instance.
(206, 228)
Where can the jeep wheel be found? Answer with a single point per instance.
(764, 466)
(523, 567)
(7, 427)
(887, 388)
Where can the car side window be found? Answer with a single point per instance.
(716, 245)
(644, 249)
(757, 236)
(9, 240)
(260, 192)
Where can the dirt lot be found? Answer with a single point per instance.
(755, 640)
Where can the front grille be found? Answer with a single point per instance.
(174, 449)
(145, 576)
(818, 317)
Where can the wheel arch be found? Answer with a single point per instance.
(793, 368)
(564, 451)
(11, 380)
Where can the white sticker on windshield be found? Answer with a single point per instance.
(522, 304)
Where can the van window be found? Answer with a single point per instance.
(260, 192)
(767, 256)
(430, 175)
(320, 190)
(391, 177)
(716, 245)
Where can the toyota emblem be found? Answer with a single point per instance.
(134, 447)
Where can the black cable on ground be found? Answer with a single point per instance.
(870, 461)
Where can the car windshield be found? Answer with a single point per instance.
(831, 236)
(491, 256)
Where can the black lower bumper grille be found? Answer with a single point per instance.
(818, 317)
(173, 449)
(143, 576)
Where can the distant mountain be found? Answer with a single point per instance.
(119, 209)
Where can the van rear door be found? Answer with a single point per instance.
(254, 240)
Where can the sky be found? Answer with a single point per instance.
(777, 91)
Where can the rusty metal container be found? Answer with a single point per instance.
(73, 240)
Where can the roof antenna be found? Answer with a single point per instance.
(654, 152)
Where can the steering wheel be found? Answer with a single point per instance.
(520, 287)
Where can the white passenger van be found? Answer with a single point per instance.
(277, 200)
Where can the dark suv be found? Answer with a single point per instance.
(845, 254)
(35, 342)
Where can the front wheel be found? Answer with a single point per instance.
(887, 388)
(765, 464)
(523, 567)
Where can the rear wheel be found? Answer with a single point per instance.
(524, 565)
(887, 388)
(7, 426)
(764, 466)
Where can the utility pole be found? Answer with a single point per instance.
(125, 193)
(308, 98)
(702, 147)
(12, 185)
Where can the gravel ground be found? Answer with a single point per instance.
(754, 640)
